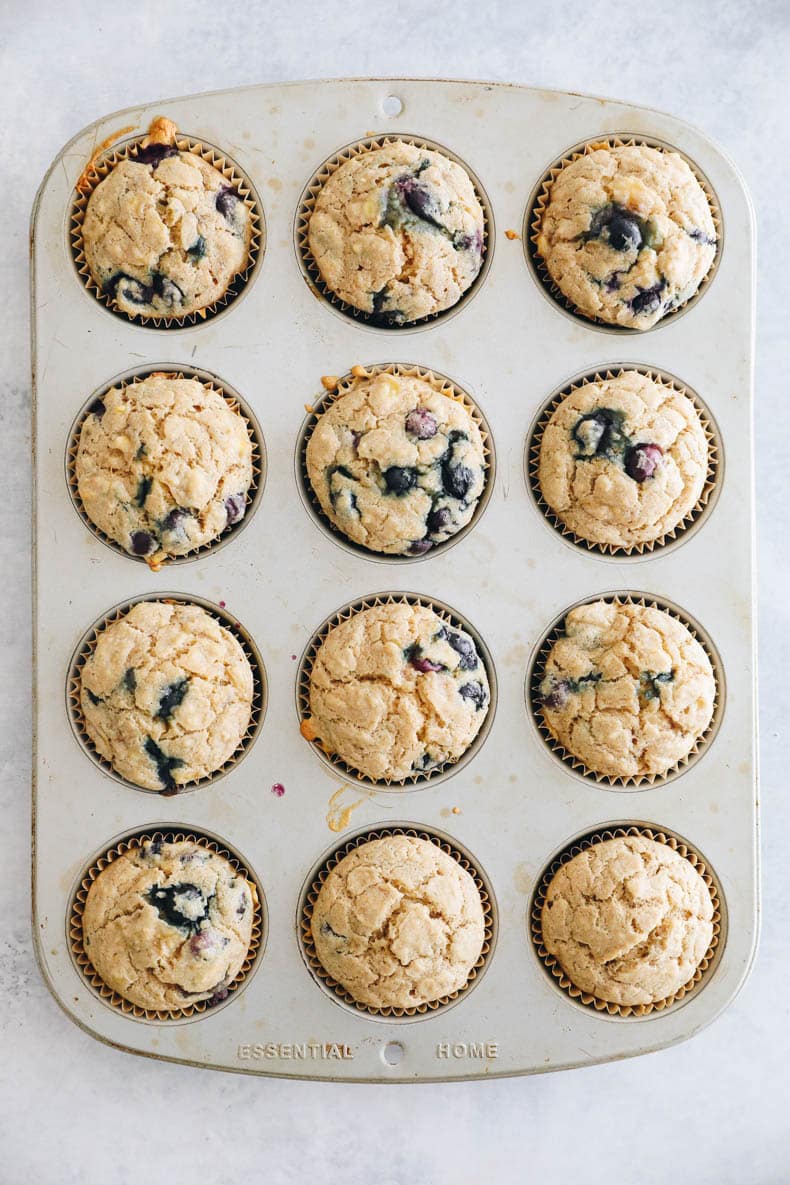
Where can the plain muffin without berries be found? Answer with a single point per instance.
(167, 925)
(163, 466)
(166, 694)
(629, 920)
(396, 465)
(627, 689)
(165, 233)
(398, 923)
(396, 691)
(397, 232)
(627, 234)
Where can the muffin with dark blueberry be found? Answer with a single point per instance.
(167, 925)
(398, 232)
(398, 923)
(165, 233)
(166, 694)
(629, 920)
(627, 689)
(627, 234)
(623, 461)
(397, 465)
(396, 691)
(163, 466)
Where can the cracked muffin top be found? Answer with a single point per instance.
(627, 689)
(165, 232)
(627, 234)
(397, 232)
(629, 920)
(166, 695)
(623, 461)
(166, 925)
(396, 465)
(163, 466)
(395, 690)
(398, 923)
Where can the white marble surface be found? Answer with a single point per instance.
(711, 1111)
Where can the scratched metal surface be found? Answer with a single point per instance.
(511, 577)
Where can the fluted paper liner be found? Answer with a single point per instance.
(322, 976)
(234, 402)
(540, 199)
(420, 778)
(102, 165)
(86, 647)
(705, 502)
(551, 963)
(443, 386)
(76, 937)
(307, 205)
(568, 759)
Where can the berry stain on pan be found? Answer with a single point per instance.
(278, 790)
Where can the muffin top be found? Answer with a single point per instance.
(627, 689)
(165, 232)
(398, 923)
(395, 690)
(629, 920)
(627, 234)
(396, 465)
(168, 924)
(163, 466)
(623, 461)
(166, 694)
(397, 232)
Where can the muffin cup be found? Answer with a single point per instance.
(687, 526)
(441, 384)
(85, 648)
(306, 206)
(536, 672)
(415, 781)
(551, 964)
(75, 938)
(233, 400)
(310, 892)
(539, 200)
(102, 165)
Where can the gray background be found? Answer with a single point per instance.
(713, 1110)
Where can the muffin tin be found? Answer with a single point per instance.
(514, 806)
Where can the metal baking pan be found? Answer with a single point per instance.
(514, 806)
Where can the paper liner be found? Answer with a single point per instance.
(84, 965)
(422, 778)
(307, 205)
(100, 167)
(704, 504)
(322, 404)
(419, 1011)
(569, 760)
(86, 647)
(551, 963)
(539, 200)
(233, 400)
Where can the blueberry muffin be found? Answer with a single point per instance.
(167, 925)
(164, 232)
(166, 695)
(396, 465)
(396, 691)
(398, 233)
(627, 234)
(163, 466)
(627, 689)
(629, 920)
(623, 461)
(398, 923)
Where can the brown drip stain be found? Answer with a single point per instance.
(338, 815)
